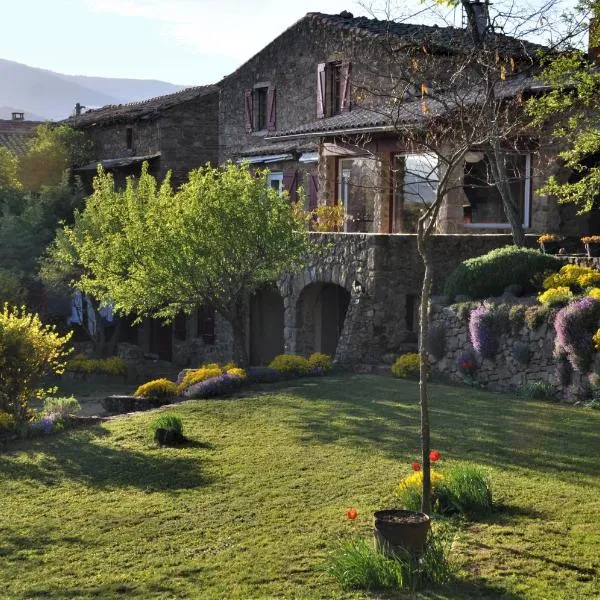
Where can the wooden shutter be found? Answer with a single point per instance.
(345, 84)
(313, 191)
(321, 89)
(290, 184)
(271, 110)
(248, 110)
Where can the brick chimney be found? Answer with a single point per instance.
(18, 116)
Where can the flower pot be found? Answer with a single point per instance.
(401, 530)
(592, 250)
(550, 247)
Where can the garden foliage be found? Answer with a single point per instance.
(113, 365)
(490, 274)
(157, 388)
(484, 330)
(168, 421)
(407, 366)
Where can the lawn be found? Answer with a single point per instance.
(251, 508)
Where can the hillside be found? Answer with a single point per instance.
(49, 95)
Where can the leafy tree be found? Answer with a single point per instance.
(9, 167)
(154, 252)
(50, 152)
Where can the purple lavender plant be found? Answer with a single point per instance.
(482, 331)
(263, 375)
(575, 325)
(214, 386)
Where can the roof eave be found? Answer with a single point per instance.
(334, 132)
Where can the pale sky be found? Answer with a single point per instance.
(180, 41)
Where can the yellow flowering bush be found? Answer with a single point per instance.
(290, 364)
(29, 351)
(113, 365)
(319, 361)
(406, 366)
(410, 488)
(201, 374)
(237, 372)
(593, 293)
(596, 339)
(550, 237)
(157, 388)
(574, 277)
(330, 217)
(556, 296)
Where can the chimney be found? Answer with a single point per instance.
(478, 18)
(18, 116)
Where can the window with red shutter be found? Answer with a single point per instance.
(290, 184)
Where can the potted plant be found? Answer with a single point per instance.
(592, 245)
(550, 242)
(401, 530)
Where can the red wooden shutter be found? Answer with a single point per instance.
(345, 83)
(313, 191)
(321, 87)
(271, 110)
(290, 184)
(248, 110)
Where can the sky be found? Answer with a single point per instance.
(187, 42)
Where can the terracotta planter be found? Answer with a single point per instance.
(401, 530)
(592, 250)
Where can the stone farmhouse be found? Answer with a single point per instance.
(297, 109)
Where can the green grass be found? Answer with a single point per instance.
(254, 504)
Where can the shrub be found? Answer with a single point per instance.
(437, 341)
(168, 421)
(29, 351)
(7, 421)
(574, 277)
(483, 331)
(467, 363)
(237, 372)
(464, 309)
(465, 490)
(113, 365)
(410, 490)
(198, 375)
(407, 366)
(536, 316)
(215, 386)
(516, 317)
(158, 388)
(62, 407)
(290, 364)
(575, 325)
(521, 353)
(539, 390)
(558, 296)
(263, 375)
(356, 564)
(45, 425)
(319, 363)
(488, 275)
(330, 217)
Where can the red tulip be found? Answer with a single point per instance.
(434, 455)
(351, 514)
(416, 466)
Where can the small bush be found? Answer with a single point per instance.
(62, 407)
(484, 331)
(467, 363)
(437, 341)
(237, 372)
(44, 425)
(7, 421)
(215, 386)
(536, 316)
(113, 365)
(290, 364)
(573, 277)
(263, 375)
(355, 564)
(198, 375)
(410, 490)
(168, 421)
(558, 296)
(488, 275)
(539, 390)
(516, 317)
(463, 310)
(465, 490)
(158, 388)
(319, 363)
(407, 366)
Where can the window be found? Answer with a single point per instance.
(357, 182)
(260, 110)
(276, 181)
(483, 207)
(129, 138)
(333, 88)
(415, 179)
(206, 324)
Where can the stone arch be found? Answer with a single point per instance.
(320, 314)
(266, 325)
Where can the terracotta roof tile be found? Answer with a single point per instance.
(14, 135)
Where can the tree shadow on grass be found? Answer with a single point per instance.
(467, 424)
(80, 457)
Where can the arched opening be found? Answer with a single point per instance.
(321, 313)
(266, 326)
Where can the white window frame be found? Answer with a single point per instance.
(276, 176)
(343, 188)
(526, 204)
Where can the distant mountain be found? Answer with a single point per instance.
(49, 95)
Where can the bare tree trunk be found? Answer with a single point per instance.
(425, 252)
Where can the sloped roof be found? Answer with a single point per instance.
(14, 135)
(139, 110)
(447, 38)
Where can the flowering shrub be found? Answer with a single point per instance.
(410, 489)
(596, 339)
(593, 293)
(158, 388)
(237, 372)
(263, 375)
(575, 277)
(320, 363)
(198, 375)
(467, 363)
(407, 366)
(550, 237)
(575, 325)
(45, 425)
(29, 351)
(215, 386)
(330, 217)
(7, 421)
(591, 239)
(61, 407)
(290, 364)
(558, 296)
(483, 331)
(113, 365)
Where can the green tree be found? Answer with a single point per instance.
(215, 241)
(9, 168)
(50, 152)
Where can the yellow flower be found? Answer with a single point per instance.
(558, 295)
